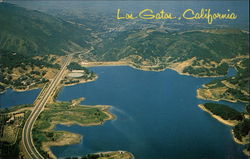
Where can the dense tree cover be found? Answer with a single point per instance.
(199, 71)
(219, 70)
(248, 108)
(242, 77)
(222, 69)
(205, 46)
(224, 111)
(12, 59)
(71, 81)
(23, 81)
(75, 66)
(35, 33)
(242, 129)
(248, 147)
(237, 93)
(9, 151)
(95, 156)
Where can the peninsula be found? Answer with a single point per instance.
(229, 116)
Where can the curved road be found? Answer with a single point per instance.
(27, 139)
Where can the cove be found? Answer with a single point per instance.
(157, 117)
(13, 98)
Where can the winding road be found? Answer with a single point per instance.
(27, 140)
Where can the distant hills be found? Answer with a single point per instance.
(207, 52)
(34, 33)
(203, 44)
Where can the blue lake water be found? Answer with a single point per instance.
(157, 117)
(12, 98)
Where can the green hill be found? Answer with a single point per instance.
(203, 44)
(34, 33)
(162, 49)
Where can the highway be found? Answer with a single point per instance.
(27, 140)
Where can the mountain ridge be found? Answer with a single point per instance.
(32, 32)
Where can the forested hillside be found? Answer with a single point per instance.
(33, 33)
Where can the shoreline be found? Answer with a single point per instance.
(2, 92)
(119, 151)
(199, 96)
(237, 140)
(244, 142)
(121, 63)
(142, 68)
(128, 155)
(28, 89)
(82, 81)
(69, 138)
(244, 139)
(110, 115)
(220, 119)
(21, 90)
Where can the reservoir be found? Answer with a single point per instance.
(157, 117)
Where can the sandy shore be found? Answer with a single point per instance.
(204, 95)
(67, 139)
(69, 123)
(236, 140)
(119, 154)
(247, 116)
(220, 119)
(247, 153)
(126, 155)
(2, 92)
(81, 81)
(27, 89)
(72, 138)
(176, 67)
(109, 63)
(245, 140)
